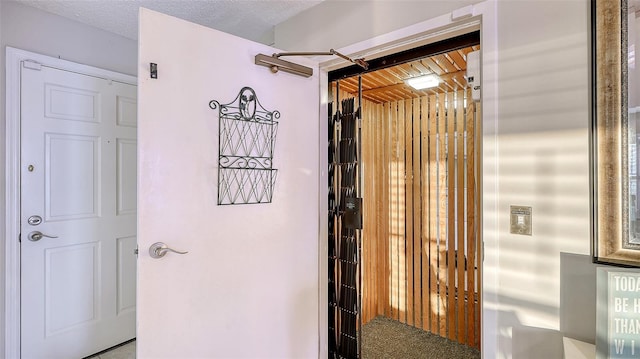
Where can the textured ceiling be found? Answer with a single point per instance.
(250, 19)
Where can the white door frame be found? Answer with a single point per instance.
(14, 59)
(483, 17)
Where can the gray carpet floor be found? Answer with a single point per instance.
(383, 338)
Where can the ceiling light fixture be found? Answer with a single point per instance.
(424, 82)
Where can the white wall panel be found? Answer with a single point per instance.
(127, 111)
(72, 181)
(126, 167)
(126, 269)
(71, 104)
(71, 286)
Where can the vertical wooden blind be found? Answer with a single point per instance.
(420, 252)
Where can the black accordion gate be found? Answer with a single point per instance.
(345, 224)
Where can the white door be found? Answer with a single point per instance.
(248, 286)
(78, 188)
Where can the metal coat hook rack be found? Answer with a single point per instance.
(275, 63)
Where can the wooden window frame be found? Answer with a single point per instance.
(609, 162)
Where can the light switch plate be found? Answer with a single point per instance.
(520, 220)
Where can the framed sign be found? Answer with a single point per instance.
(618, 314)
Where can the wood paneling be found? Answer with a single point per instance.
(420, 242)
(388, 85)
(417, 215)
(432, 239)
(461, 261)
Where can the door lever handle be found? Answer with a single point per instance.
(37, 235)
(159, 250)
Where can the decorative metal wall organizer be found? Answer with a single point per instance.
(246, 140)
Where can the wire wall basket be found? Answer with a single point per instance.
(246, 141)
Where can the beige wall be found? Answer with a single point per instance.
(33, 30)
(337, 23)
(2, 184)
(543, 156)
(540, 156)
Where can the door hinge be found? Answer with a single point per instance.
(135, 251)
(19, 237)
(33, 65)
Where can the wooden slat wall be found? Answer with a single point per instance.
(401, 215)
(395, 222)
(432, 239)
(417, 216)
(408, 208)
(385, 236)
(460, 206)
(420, 240)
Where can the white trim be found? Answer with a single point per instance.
(15, 57)
(323, 195)
(12, 210)
(484, 18)
(429, 31)
(489, 166)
